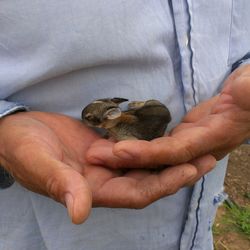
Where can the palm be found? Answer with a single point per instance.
(216, 126)
(34, 137)
(52, 139)
(68, 140)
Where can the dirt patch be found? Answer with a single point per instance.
(237, 182)
(237, 186)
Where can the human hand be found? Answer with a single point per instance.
(45, 152)
(214, 127)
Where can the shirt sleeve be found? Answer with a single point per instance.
(7, 108)
(244, 60)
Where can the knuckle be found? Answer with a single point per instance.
(142, 199)
(188, 151)
(170, 188)
(147, 193)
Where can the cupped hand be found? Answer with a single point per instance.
(214, 127)
(46, 152)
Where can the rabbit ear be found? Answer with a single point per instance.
(112, 113)
(118, 100)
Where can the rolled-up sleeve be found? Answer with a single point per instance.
(242, 61)
(7, 108)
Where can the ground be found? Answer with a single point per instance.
(232, 224)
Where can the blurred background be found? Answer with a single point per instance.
(232, 224)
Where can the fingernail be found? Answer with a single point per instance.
(69, 204)
(124, 155)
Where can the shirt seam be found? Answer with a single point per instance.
(191, 52)
(197, 213)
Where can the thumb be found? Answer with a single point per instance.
(241, 89)
(71, 189)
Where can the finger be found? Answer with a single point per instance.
(71, 189)
(53, 178)
(133, 153)
(181, 147)
(203, 165)
(101, 154)
(139, 153)
(240, 89)
(130, 192)
(181, 126)
(164, 151)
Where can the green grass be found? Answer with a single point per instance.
(237, 217)
(232, 220)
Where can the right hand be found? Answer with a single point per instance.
(46, 153)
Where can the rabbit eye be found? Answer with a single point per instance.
(88, 117)
(93, 119)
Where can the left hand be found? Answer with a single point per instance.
(214, 127)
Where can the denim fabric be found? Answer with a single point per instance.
(60, 55)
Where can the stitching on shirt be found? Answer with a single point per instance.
(197, 212)
(230, 34)
(191, 53)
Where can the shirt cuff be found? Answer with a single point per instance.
(244, 60)
(7, 108)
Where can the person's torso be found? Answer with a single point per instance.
(60, 55)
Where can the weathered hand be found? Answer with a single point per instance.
(46, 153)
(214, 127)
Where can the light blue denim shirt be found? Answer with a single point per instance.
(60, 55)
